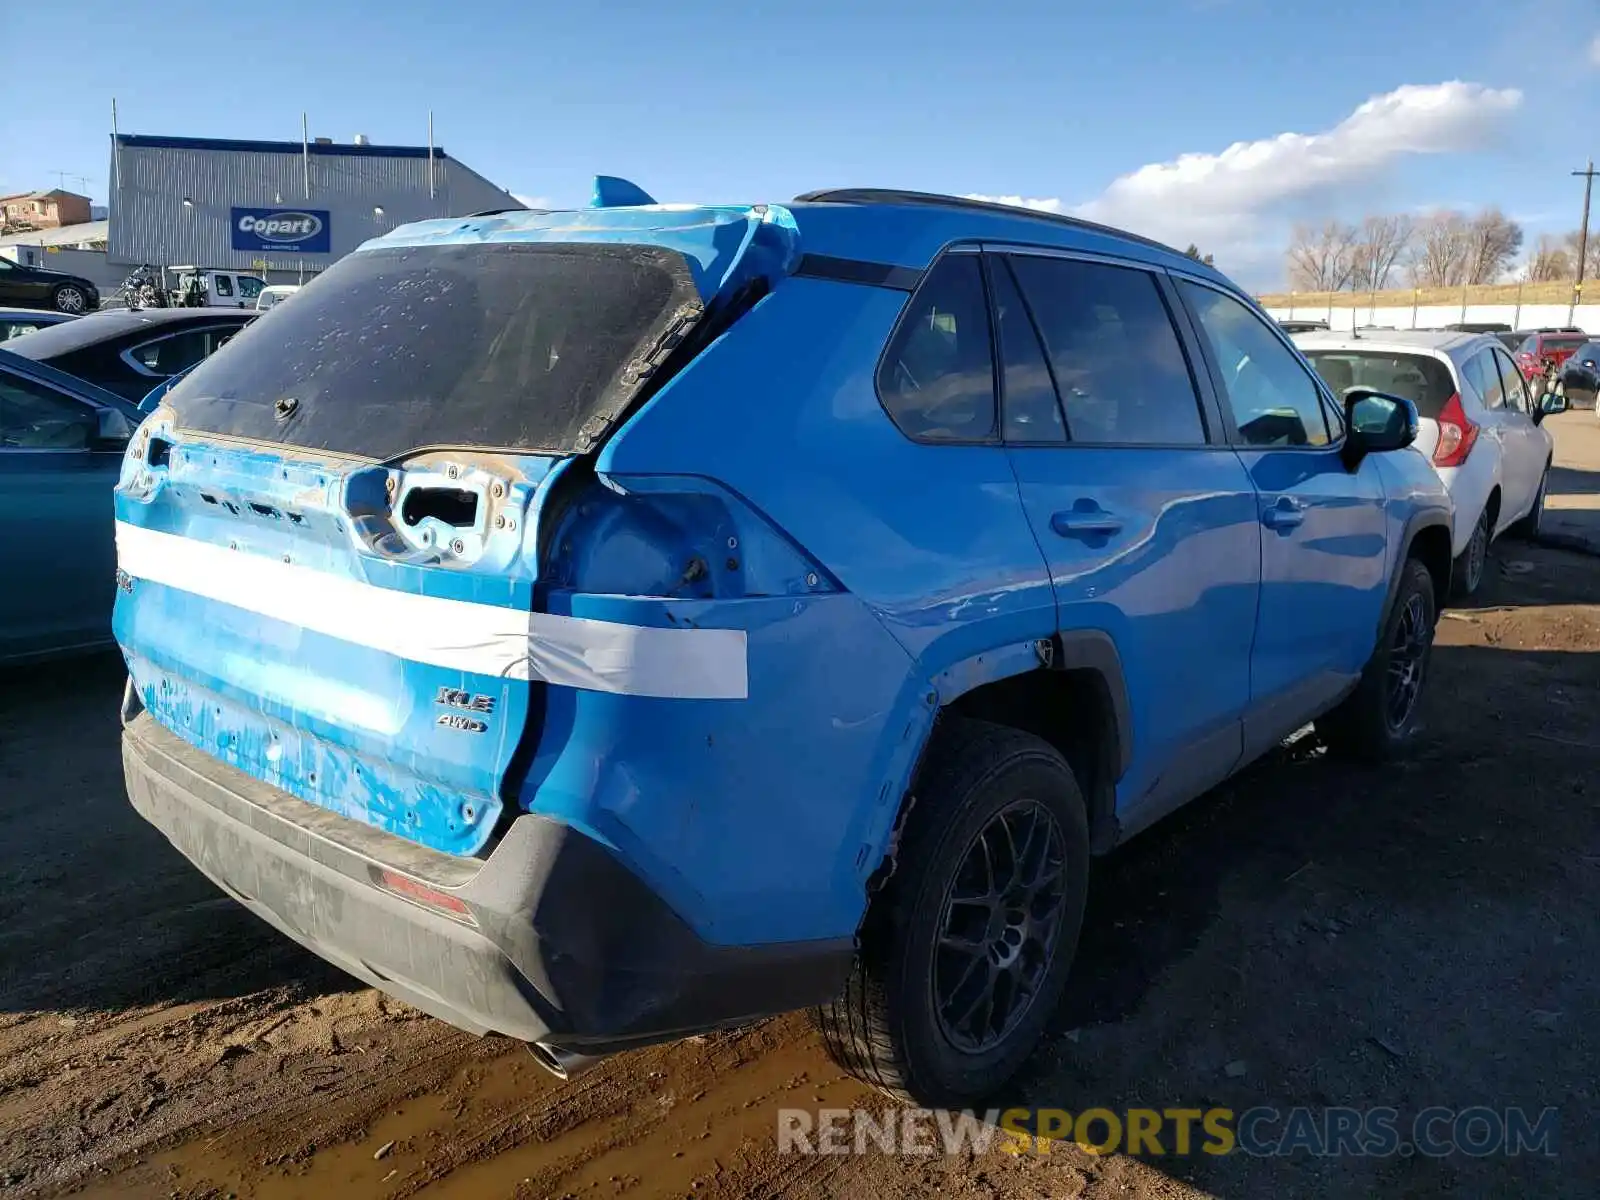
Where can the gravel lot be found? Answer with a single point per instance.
(1309, 934)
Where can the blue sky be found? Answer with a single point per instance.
(1125, 111)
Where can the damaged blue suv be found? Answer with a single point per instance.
(597, 627)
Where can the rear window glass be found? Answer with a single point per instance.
(1562, 341)
(534, 347)
(1424, 381)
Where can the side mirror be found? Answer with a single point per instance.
(1550, 402)
(1378, 422)
(112, 429)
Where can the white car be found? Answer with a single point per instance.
(1480, 425)
(275, 294)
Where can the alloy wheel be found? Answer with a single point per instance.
(999, 927)
(71, 300)
(1408, 652)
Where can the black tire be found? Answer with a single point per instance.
(888, 1027)
(1529, 527)
(1466, 573)
(70, 298)
(1370, 725)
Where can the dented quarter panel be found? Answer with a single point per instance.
(757, 820)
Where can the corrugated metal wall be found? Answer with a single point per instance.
(151, 224)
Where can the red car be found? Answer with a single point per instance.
(1546, 349)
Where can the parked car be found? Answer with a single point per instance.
(131, 351)
(14, 322)
(61, 447)
(1511, 339)
(35, 287)
(1480, 426)
(209, 288)
(1289, 326)
(1542, 351)
(274, 294)
(1580, 375)
(598, 631)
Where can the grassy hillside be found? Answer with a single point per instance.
(1491, 293)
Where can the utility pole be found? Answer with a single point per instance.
(1588, 174)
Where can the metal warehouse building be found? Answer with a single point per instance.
(284, 208)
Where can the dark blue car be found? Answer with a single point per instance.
(61, 448)
(603, 626)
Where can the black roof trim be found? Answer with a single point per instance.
(939, 200)
(140, 141)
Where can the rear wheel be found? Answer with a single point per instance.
(1379, 719)
(1467, 575)
(70, 298)
(1530, 526)
(965, 952)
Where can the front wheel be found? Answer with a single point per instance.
(965, 951)
(1378, 720)
(70, 298)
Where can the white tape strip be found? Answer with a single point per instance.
(603, 656)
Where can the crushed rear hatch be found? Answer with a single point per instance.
(328, 533)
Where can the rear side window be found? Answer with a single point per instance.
(224, 285)
(1512, 390)
(1032, 413)
(1484, 377)
(517, 346)
(937, 378)
(1275, 401)
(1118, 364)
(1423, 380)
(169, 355)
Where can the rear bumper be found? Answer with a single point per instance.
(559, 943)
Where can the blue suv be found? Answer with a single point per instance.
(602, 626)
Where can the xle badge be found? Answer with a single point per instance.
(466, 702)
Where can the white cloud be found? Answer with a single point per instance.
(1594, 50)
(531, 201)
(1050, 204)
(1238, 204)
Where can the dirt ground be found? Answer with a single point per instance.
(1309, 934)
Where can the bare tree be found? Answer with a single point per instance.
(1383, 240)
(1322, 259)
(1440, 251)
(1492, 242)
(1552, 260)
(1592, 269)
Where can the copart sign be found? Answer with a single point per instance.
(282, 230)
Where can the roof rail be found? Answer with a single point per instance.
(939, 200)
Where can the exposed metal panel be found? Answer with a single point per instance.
(151, 224)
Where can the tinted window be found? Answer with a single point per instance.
(36, 417)
(1556, 343)
(1424, 381)
(1511, 385)
(937, 379)
(179, 352)
(1484, 378)
(1275, 401)
(1032, 413)
(1117, 360)
(521, 346)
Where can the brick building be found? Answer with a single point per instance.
(44, 210)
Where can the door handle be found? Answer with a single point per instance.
(1286, 514)
(1085, 523)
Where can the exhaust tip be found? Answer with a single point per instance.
(563, 1064)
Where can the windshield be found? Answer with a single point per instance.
(518, 346)
(1419, 378)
